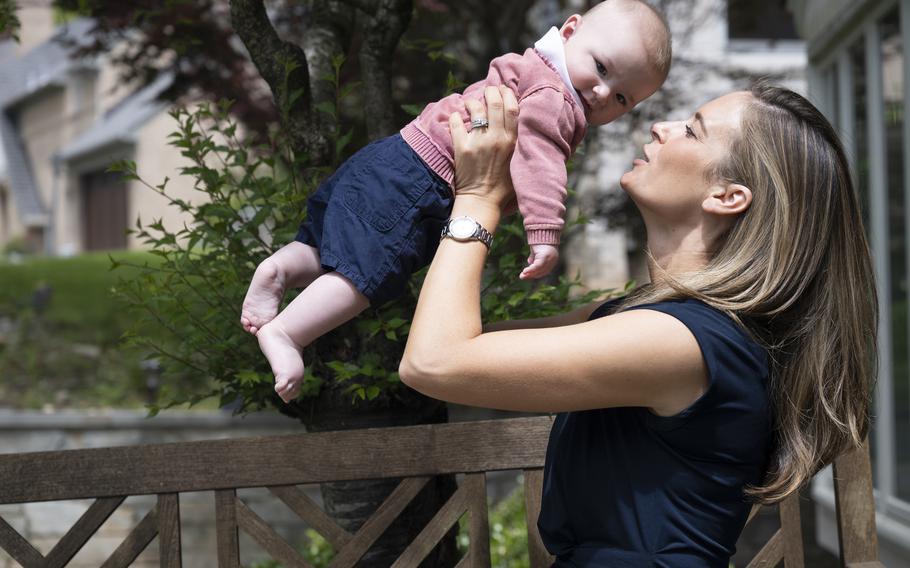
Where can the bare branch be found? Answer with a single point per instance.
(382, 29)
(283, 65)
(328, 34)
(365, 6)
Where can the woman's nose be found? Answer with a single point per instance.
(659, 131)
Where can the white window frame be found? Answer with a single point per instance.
(893, 513)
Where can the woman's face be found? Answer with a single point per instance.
(671, 181)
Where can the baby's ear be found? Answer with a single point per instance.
(570, 26)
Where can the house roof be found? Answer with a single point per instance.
(45, 65)
(19, 174)
(7, 50)
(121, 123)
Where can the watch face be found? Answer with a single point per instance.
(462, 227)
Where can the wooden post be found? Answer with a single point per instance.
(226, 528)
(855, 507)
(169, 551)
(792, 531)
(479, 532)
(538, 554)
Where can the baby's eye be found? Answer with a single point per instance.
(621, 99)
(601, 70)
(689, 132)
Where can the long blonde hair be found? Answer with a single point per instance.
(795, 271)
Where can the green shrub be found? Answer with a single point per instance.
(254, 198)
(508, 537)
(508, 531)
(315, 550)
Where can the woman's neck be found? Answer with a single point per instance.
(674, 255)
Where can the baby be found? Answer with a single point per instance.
(379, 217)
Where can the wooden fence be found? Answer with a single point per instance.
(414, 453)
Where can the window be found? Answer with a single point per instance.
(861, 72)
(760, 19)
(891, 49)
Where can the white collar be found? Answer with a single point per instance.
(552, 48)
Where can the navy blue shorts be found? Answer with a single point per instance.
(378, 218)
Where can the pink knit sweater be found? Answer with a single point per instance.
(551, 125)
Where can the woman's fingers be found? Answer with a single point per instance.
(475, 109)
(482, 157)
(456, 128)
(494, 107)
(510, 110)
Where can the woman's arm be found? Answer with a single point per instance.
(635, 358)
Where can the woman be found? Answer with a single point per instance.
(740, 370)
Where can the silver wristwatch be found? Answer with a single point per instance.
(466, 229)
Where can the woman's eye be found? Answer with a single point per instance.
(600, 68)
(621, 99)
(689, 132)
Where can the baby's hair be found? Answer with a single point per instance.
(660, 43)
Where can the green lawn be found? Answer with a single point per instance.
(81, 305)
(68, 353)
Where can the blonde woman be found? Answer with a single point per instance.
(740, 370)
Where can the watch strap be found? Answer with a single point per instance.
(484, 236)
(479, 234)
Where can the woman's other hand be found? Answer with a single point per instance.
(482, 156)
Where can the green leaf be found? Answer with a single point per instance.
(343, 141)
(413, 110)
(295, 95)
(327, 107)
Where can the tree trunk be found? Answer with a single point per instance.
(351, 503)
(296, 78)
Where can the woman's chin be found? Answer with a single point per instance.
(626, 181)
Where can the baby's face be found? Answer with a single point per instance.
(608, 63)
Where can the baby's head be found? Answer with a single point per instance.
(617, 54)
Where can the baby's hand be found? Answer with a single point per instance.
(540, 262)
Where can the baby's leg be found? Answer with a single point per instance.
(294, 265)
(322, 306)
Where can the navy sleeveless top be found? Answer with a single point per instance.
(626, 488)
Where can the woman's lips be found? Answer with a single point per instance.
(643, 161)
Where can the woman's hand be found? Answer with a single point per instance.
(482, 156)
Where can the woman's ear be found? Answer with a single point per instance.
(730, 199)
(569, 27)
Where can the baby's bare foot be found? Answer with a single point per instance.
(285, 358)
(263, 297)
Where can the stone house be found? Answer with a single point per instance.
(63, 122)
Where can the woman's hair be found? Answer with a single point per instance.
(795, 271)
